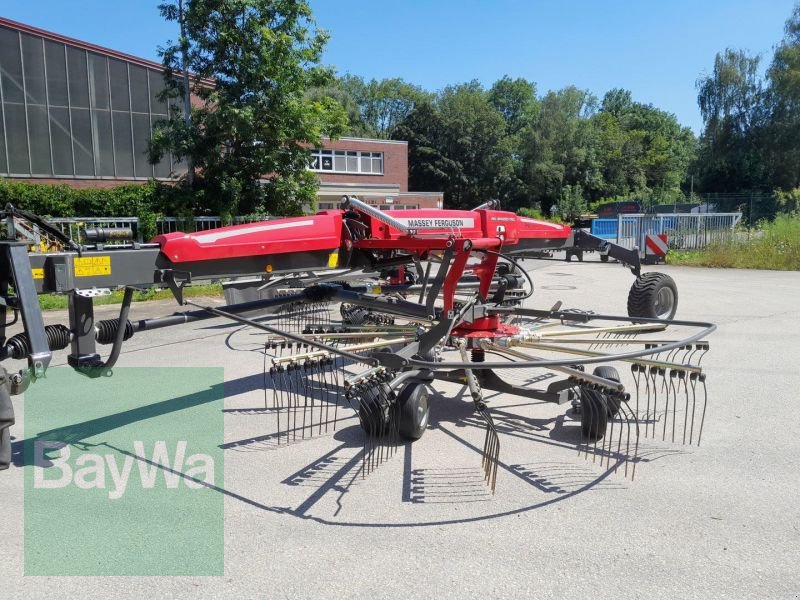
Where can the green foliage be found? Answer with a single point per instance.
(732, 102)
(533, 213)
(381, 104)
(60, 301)
(788, 202)
(458, 144)
(752, 123)
(572, 202)
(253, 62)
(561, 150)
(771, 245)
(146, 201)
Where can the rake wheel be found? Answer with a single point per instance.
(594, 413)
(653, 296)
(414, 410)
(374, 409)
(610, 373)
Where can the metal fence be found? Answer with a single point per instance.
(73, 226)
(684, 231)
(192, 224)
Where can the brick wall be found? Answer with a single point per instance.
(395, 162)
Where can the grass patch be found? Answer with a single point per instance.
(772, 245)
(59, 301)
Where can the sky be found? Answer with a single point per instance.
(655, 48)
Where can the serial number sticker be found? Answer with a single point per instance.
(92, 266)
(38, 273)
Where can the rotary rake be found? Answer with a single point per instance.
(364, 312)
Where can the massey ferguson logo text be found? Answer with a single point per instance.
(104, 471)
(412, 223)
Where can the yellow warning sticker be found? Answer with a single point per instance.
(38, 273)
(91, 266)
(333, 260)
(376, 289)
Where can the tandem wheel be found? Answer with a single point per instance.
(654, 296)
(596, 407)
(414, 410)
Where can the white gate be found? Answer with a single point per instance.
(684, 231)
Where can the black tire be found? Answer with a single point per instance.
(594, 414)
(373, 410)
(604, 258)
(414, 410)
(611, 373)
(653, 296)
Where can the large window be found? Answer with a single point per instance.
(347, 161)
(68, 112)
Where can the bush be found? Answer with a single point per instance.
(145, 201)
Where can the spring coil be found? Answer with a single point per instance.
(58, 338)
(107, 331)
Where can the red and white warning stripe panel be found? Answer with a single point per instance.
(656, 245)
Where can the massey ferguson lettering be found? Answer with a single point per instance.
(452, 223)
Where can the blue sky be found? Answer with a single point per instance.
(657, 49)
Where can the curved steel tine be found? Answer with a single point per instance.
(330, 393)
(683, 377)
(702, 379)
(623, 421)
(705, 348)
(636, 372)
(646, 371)
(576, 391)
(626, 412)
(672, 375)
(609, 429)
(671, 355)
(594, 433)
(308, 383)
(693, 380)
(587, 406)
(335, 370)
(266, 383)
(491, 457)
(321, 390)
(292, 376)
(665, 388)
(379, 433)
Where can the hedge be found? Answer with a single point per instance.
(146, 201)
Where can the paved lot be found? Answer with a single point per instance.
(719, 521)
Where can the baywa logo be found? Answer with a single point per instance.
(122, 470)
(104, 471)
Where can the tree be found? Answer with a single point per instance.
(356, 126)
(731, 102)
(429, 168)
(782, 133)
(516, 101)
(252, 62)
(383, 103)
(458, 144)
(559, 149)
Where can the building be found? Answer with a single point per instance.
(376, 171)
(78, 114)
